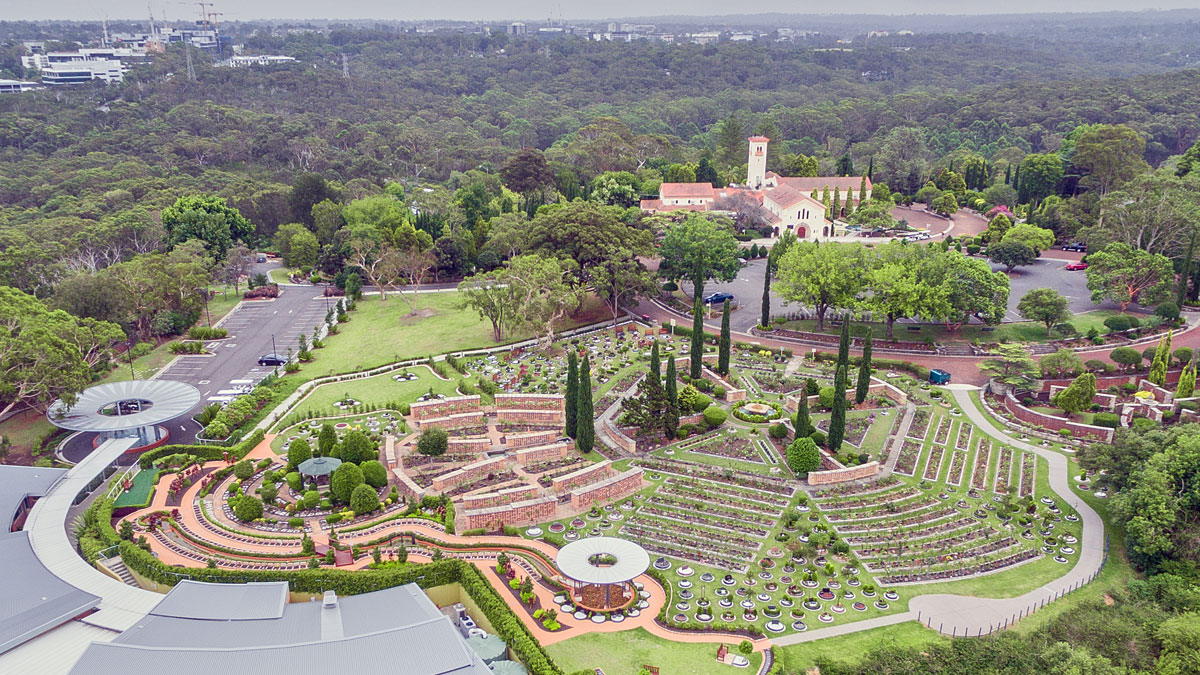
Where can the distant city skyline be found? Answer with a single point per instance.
(501, 10)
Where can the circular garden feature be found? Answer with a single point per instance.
(602, 569)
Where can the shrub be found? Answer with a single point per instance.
(433, 442)
(1182, 355)
(1125, 356)
(1141, 424)
(1167, 311)
(247, 508)
(825, 397)
(243, 469)
(714, 416)
(718, 391)
(803, 456)
(1149, 352)
(298, 452)
(311, 499)
(206, 333)
(1064, 432)
(1096, 365)
(1128, 387)
(701, 402)
(818, 437)
(294, 481)
(364, 499)
(1118, 323)
(373, 474)
(1106, 419)
(777, 431)
(186, 347)
(345, 478)
(141, 349)
(670, 287)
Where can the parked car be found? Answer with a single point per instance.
(1075, 246)
(1076, 266)
(262, 258)
(718, 297)
(272, 360)
(938, 376)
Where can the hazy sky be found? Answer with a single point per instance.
(538, 9)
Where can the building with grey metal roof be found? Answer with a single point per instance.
(203, 628)
(34, 601)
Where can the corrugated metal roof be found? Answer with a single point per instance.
(19, 482)
(34, 600)
(55, 652)
(430, 648)
(226, 602)
(168, 399)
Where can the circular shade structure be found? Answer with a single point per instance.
(126, 409)
(584, 560)
(319, 467)
(602, 569)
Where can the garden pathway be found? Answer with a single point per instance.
(910, 410)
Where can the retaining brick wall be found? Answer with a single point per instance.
(1161, 394)
(516, 441)
(544, 453)
(500, 497)
(469, 473)
(518, 513)
(443, 407)
(587, 474)
(618, 486)
(624, 442)
(1106, 381)
(547, 417)
(843, 475)
(459, 421)
(461, 445)
(531, 402)
(1106, 401)
(732, 393)
(406, 487)
(877, 388)
(1054, 423)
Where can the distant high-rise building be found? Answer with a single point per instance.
(516, 28)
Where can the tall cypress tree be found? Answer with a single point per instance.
(585, 422)
(655, 364)
(864, 372)
(672, 421)
(843, 358)
(1008, 175)
(837, 420)
(836, 209)
(871, 168)
(1185, 273)
(862, 190)
(572, 393)
(802, 421)
(672, 384)
(697, 351)
(725, 342)
(766, 299)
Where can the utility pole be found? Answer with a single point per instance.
(345, 66)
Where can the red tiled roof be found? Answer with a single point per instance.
(807, 184)
(758, 139)
(685, 190)
(787, 197)
(651, 204)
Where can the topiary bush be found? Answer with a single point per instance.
(247, 508)
(243, 469)
(1106, 419)
(777, 431)
(373, 474)
(364, 499)
(714, 416)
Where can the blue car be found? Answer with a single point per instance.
(718, 297)
(938, 376)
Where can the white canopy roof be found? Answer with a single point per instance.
(631, 560)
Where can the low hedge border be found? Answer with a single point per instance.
(203, 452)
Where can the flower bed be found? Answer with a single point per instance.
(920, 424)
(741, 411)
(741, 479)
(957, 462)
(943, 431)
(907, 462)
(934, 464)
(669, 501)
(725, 497)
(979, 473)
(876, 499)
(776, 383)
(1028, 468)
(963, 442)
(1003, 469)
(848, 489)
(730, 448)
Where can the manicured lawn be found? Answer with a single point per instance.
(845, 648)
(624, 653)
(139, 494)
(382, 332)
(379, 390)
(145, 366)
(24, 431)
(223, 301)
(1020, 331)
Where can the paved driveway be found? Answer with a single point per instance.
(1050, 273)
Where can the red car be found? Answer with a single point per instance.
(1075, 266)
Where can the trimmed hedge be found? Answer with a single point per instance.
(203, 452)
(1106, 419)
(892, 364)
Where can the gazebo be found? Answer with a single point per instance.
(135, 408)
(319, 468)
(603, 569)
